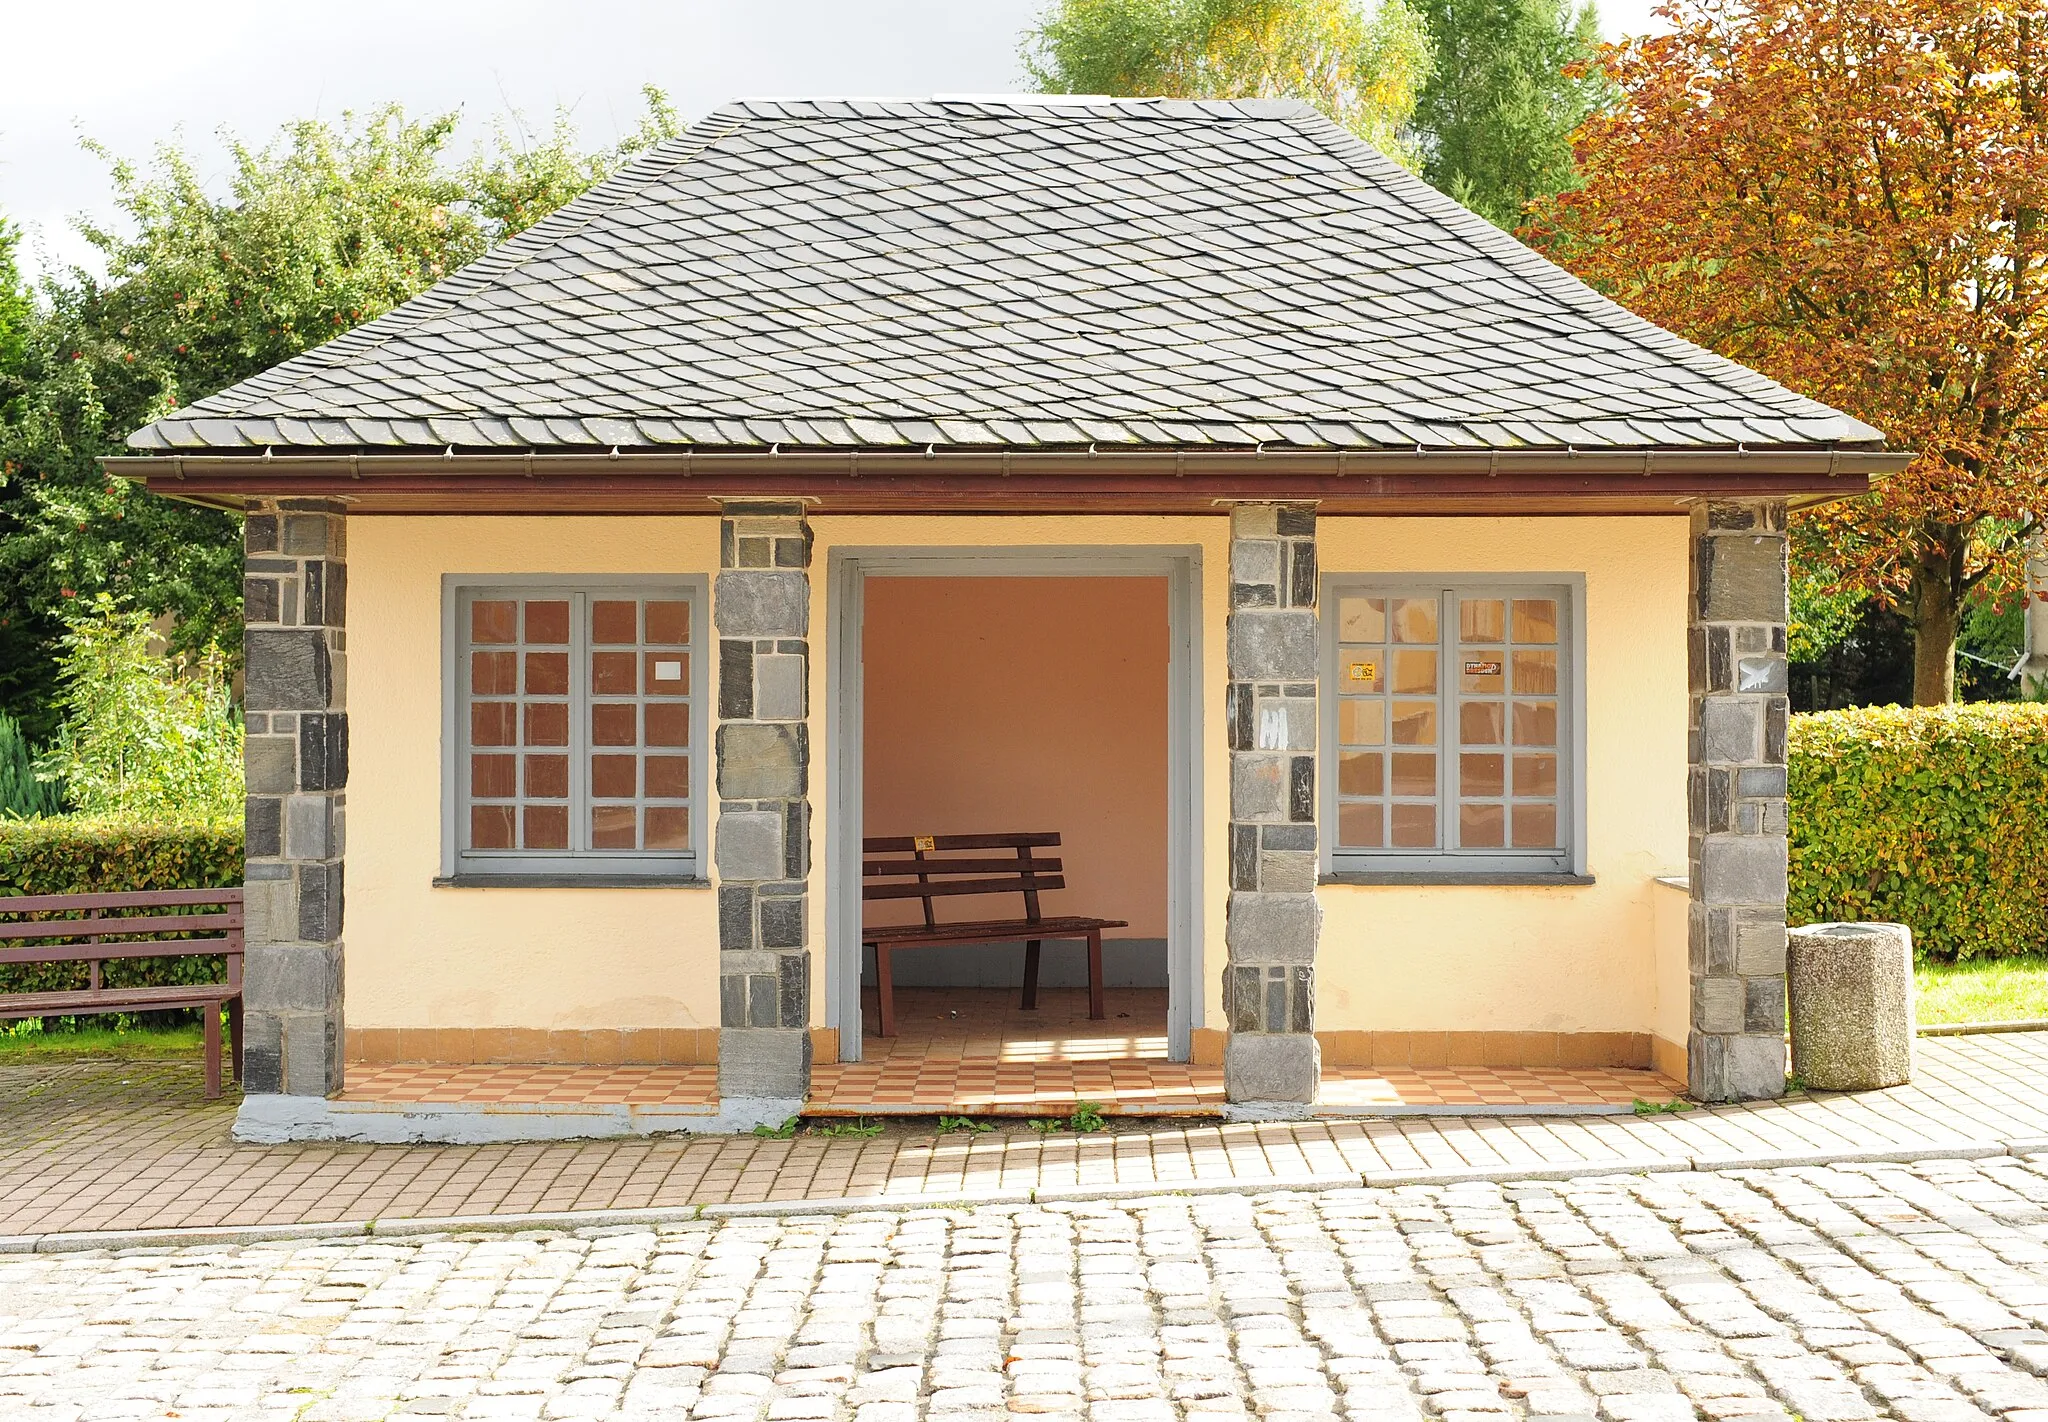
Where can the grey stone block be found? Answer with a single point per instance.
(1852, 1005)
(779, 688)
(1284, 723)
(262, 827)
(270, 911)
(312, 1057)
(293, 977)
(307, 535)
(1759, 947)
(1747, 1067)
(1273, 928)
(1742, 578)
(782, 923)
(1741, 869)
(1272, 646)
(323, 751)
(735, 917)
(1717, 1005)
(309, 827)
(286, 669)
(1258, 787)
(1730, 731)
(1255, 521)
(1255, 560)
(1287, 872)
(1760, 674)
(1262, 1067)
(735, 681)
(262, 1054)
(320, 901)
(764, 1062)
(762, 604)
(271, 764)
(749, 845)
(757, 762)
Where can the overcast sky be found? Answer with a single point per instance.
(131, 74)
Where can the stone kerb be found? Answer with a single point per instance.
(761, 608)
(1271, 1061)
(295, 757)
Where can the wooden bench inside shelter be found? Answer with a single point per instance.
(956, 865)
(98, 928)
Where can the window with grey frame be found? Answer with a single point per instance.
(1449, 722)
(574, 713)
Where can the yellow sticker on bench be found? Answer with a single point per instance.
(925, 841)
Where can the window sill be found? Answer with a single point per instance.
(569, 881)
(1492, 879)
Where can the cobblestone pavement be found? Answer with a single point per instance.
(1838, 1293)
(136, 1146)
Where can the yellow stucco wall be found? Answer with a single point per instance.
(553, 959)
(1559, 959)
(1392, 959)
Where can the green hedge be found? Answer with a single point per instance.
(1934, 817)
(74, 854)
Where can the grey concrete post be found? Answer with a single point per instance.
(1271, 1059)
(295, 704)
(1735, 795)
(761, 607)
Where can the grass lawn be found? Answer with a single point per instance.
(1986, 990)
(134, 1044)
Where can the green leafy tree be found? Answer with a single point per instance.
(324, 228)
(144, 735)
(1513, 79)
(1363, 69)
(24, 793)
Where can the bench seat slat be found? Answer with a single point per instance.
(106, 952)
(987, 931)
(149, 898)
(118, 927)
(939, 889)
(85, 1000)
(904, 844)
(1012, 867)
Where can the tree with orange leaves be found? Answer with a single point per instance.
(1849, 196)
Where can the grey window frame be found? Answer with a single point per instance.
(543, 868)
(1398, 866)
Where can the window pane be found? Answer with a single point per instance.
(1535, 826)
(1361, 774)
(547, 723)
(1414, 774)
(613, 724)
(547, 623)
(1414, 723)
(614, 673)
(547, 777)
(1482, 775)
(1479, 671)
(1361, 826)
(493, 777)
(667, 777)
(1414, 826)
(1535, 673)
(613, 777)
(1535, 619)
(493, 622)
(668, 724)
(1481, 827)
(668, 674)
(547, 827)
(613, 827)
(1535, 723)
(1415, 673)
(493, 723)
(1361, 723)
(668, 827)
(1481, 619)
(490, 827)
(668, 625)
(547, 673)
(1535, 775)
(1364, 669)
(1482, 723)
(1362, 619)
(615, 623)
(493, 673)
(1415, 619)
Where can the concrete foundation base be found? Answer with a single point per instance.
(272, 1120)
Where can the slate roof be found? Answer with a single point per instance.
(985, 273)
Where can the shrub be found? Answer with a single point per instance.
(77, 854)
(22, 795)
(1934, 817)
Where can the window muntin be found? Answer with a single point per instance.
(575, 718)
(1449, 727)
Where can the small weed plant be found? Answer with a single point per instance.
(967, 1124)
(1661, 1108)
(860, 1126)
(777, 1133)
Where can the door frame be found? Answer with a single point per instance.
(847, 571)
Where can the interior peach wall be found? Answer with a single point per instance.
(996, 704)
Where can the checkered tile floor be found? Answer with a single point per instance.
(974, 1052)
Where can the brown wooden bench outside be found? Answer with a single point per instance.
(123, 926)
(922, 876)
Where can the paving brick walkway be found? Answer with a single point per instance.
(93, 1147)
(1831, 1295)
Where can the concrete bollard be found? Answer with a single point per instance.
(1851, 989)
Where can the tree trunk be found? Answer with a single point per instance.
(1937, 602)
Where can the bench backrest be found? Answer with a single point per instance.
(947, 865)
(92, 928)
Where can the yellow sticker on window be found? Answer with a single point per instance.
(925, 841)
(1365, 671)
(1482, 669)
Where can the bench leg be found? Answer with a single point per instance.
(1096, 1011)
(211, 1015)
(235, 1039)
(885, 989)
(1030, 1003)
